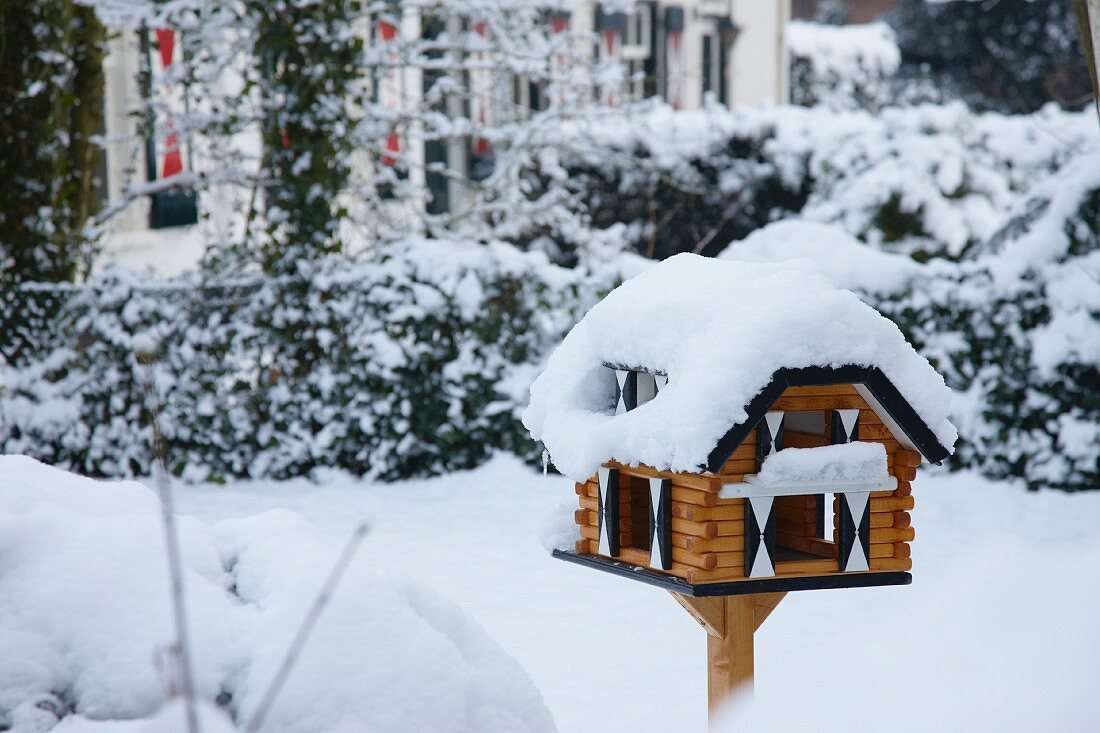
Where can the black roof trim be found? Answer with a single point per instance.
(896, 406)
(780, 584)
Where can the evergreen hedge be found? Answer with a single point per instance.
(388, 369)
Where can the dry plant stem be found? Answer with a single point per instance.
(175, 569)
(300, 638)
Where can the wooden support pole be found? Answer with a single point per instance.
(730, 622)
(730, 656)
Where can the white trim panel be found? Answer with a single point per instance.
(750, 488)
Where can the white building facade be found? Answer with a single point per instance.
(684, 51)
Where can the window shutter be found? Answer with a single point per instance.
(608, 511)
(853, 543)
(759, 537)
(769, 436)
(626, 398)
(660, 544)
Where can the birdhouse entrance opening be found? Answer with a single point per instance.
(801, 535)
(635, 514)
(803, 527)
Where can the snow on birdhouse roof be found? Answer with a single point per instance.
(720, 330)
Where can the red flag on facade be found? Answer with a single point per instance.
(166, 42)
(393, 145)
(173, 161)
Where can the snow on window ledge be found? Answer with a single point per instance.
(845, 468)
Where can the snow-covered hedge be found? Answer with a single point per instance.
(1014, 329)
(409, 366)
(929, 181)
(842, 66)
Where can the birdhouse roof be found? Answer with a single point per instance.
(730, 336)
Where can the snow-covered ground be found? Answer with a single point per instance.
(996, 632)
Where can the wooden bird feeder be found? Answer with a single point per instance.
(730, 545)
(810, 488)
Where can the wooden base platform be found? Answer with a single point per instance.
(737, 587)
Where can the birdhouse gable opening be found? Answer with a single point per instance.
(634, 387)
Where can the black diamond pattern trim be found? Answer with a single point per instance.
(662, 524)
(892, 402)
(609, 510)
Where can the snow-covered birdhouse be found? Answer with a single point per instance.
(740, 428)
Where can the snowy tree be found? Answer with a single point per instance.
(52, 87)
(1016, 331)
(324, 127)
(308, 61)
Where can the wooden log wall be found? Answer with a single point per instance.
(891, 524)
(708, 532)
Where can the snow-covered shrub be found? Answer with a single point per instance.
(927, 181)
(1016, 331)
(411, 365)
(1012, 56)
(86, 623)
(828, 250)
(842, 67)
(688, 189)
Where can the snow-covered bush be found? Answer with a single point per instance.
(931, 181)
(1012, 56)
(408, 366)
(1016, 331)
(842, 67)
(86, 623)
(927, 181)
(828, 250)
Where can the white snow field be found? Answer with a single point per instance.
(997, 632)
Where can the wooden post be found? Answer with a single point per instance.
(730, 622)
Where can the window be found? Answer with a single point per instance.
(635, 518)
(637, 51)
(636, 34)
(803, 524)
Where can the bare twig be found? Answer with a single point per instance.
(182, 650)
(702, 243)
(308, 623)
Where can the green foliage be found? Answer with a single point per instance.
(696, 203)
(310, 64)
(52, 90)
(1015, 330)
(1010, 56)
(411, 366)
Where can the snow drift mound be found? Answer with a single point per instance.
(85, 621)
(719, 330)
